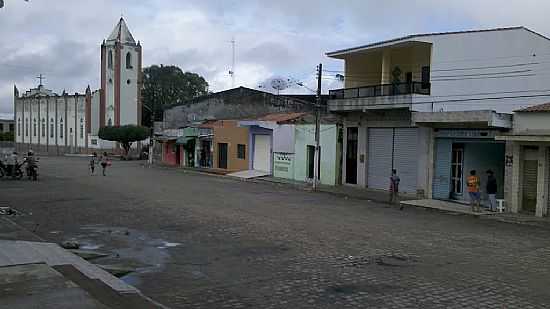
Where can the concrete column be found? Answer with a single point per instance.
(542, 186)
(516, 192)
(386, 67)
(509, 173)
(430, 163)
(362, 151)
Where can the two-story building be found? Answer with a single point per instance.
(430, 106)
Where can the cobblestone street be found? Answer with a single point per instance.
(200, 241)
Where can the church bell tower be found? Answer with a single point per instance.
(121, 79)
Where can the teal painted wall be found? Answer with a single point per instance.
(305, 135)
(482, 157)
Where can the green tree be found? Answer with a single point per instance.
(7, 137)
(125, 135)
(167, 85)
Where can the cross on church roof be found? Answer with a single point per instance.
(40, 77)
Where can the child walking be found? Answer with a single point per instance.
(93, 162)
(105, 162)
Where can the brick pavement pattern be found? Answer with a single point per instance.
(248, 245)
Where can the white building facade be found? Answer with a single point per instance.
(69, 123)
(431, 105)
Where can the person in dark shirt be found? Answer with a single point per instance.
(394, 188)
(492, 188)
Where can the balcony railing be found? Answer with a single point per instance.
(381, 90)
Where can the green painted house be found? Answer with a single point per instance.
(299, 165)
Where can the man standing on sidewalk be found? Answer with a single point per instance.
(394, 188)
(473, 184)
(492, 189)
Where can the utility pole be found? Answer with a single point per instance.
(317, 156)
(152, 136)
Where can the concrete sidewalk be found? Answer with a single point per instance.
(345, 191)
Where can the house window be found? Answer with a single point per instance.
(26, 126)
(110, 60)
(129, 61)
(43, 127)
(51, 128)
(94, 141)
(34, 127)
(19, 127)
(12, 127)
(81, 128)
(1, 127)
(241, 151)
(61, 128)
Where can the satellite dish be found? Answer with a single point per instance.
(279, 84)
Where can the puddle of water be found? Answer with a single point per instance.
(166, 245)
(90, 247)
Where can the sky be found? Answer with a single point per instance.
(274, 39)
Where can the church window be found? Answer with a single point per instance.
(26, 126)
(81, 128)
(34, 127)
(43, 128)
(128, 82)
(110, 122)
(51, 128)
(110, 80)
(61, 128)
(129, 61)
(19, 127)
(110, 60)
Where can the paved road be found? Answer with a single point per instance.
(202, 241)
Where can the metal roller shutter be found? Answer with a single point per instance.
(442, 174)
(530, 177)
(380, 144)
(405, 158)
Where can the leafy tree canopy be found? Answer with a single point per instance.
(167, 85)
(125, 135)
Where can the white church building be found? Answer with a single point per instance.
(55, 124)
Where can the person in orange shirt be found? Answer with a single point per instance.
(473, 184)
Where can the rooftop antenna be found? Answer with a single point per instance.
(232, 71)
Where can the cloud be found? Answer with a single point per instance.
(284, 38)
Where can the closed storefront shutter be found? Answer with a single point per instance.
(380, 144)
(405, 158)
(442, 174)
(530, 175)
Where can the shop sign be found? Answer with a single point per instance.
(485, 134)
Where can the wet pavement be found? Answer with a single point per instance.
(200, 241)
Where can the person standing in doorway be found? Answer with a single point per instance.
(473, 184)
(394, 188)
(105, 162)
(93, 162)
(492, 188)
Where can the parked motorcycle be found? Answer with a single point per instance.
(16, 173)
(32, 171)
